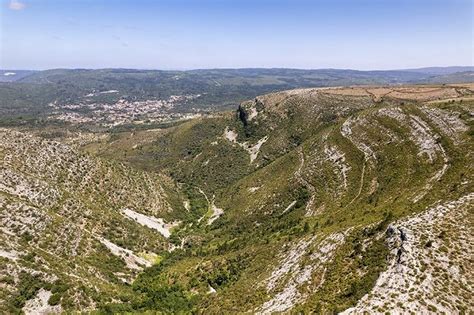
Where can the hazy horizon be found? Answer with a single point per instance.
(227, 68)
(212, 34)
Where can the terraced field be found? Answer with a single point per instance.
(352, 199)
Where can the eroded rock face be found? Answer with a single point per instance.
(295, 272)
(249, 110)
(252, 148)
(428, 270)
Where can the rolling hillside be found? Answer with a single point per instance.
(315, 200)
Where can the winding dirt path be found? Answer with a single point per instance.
(361, 186)
(346, 132)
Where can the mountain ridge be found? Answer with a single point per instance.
(301, 200)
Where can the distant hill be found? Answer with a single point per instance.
(247, 76)
(457, 77)
(442, 70)
(14, 75)
(36, 94)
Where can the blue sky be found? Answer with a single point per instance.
(189, 34)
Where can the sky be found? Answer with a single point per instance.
(192, 34)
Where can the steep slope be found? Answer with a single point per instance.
(312, 200)
(308, 184)
(380, 163)
(75, 229)
(429, 268)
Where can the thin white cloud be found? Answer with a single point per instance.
(16, 5)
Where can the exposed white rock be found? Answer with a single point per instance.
(369, 155)
(216, 213)
(35, 191)
(187, 205)
(346, 131)
(252, 150)
(426, 139)
(289, 261)
(109, 92)
(448, 122)
(39, 305)
(18, 218)
(230, 135)
(293, 274)
(423, 136)
(253, 189)
(173, 247)
(436, 177)
(132, 260)
(211, 290)
(393, 112)
(252, 113)
(12, 255)
(151, 222)
(420, 132)
(425, 274)
(255, 149)
(291, 205)
(338, 158)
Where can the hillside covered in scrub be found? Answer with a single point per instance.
(315, 200)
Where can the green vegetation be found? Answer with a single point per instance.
(307, 216)
(26, 289)
(26, 99)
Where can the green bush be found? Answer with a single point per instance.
(54, 299)
(28, 287)
(59, 287)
